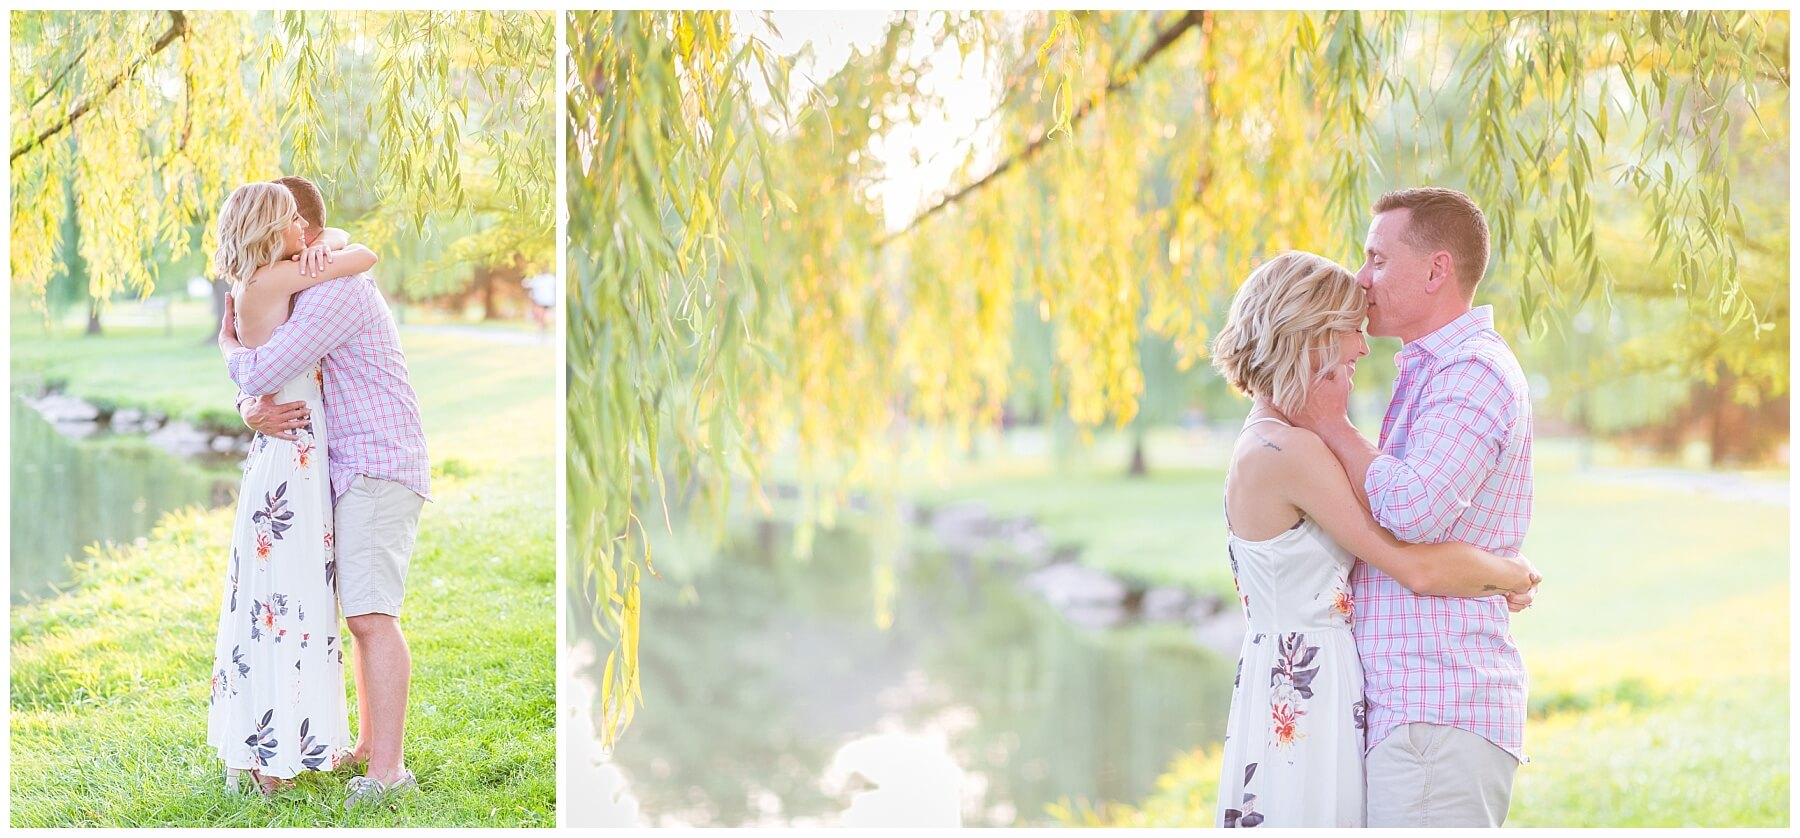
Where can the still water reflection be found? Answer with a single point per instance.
(773, 698)
(67, 495)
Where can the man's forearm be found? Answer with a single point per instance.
(262, 371)
(1354, 452)
(333, 238)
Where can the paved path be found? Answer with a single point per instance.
(512, 336)
(1725, 485)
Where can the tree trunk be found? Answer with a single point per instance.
(220, 290)
(93, 326)
(489, 307)
(1718, 447)
(1139, 467)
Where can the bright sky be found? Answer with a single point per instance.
(919, 162)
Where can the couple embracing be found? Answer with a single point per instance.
(1378, 684)
(329, 506)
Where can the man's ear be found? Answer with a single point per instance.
(1443, 272)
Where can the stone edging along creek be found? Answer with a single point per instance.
(965, 530)
(77, 419)
(1088, 597)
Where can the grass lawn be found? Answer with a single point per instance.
(1658, 649)
(109, 682)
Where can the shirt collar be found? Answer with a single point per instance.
(1450, 335)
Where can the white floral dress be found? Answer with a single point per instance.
(278, 676)
(1294, 739)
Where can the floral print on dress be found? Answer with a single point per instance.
(262, 743)
(330, 559)
(235, 564)
(1232, 555)
(276, 610)
(1292, 748)
(272, 520)
(1343, 603)
(1291, 683)
(303, 447)
(265, 617)
(312, 754)
(1246, 815)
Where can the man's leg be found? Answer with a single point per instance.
(1438, 776)
(360, 752)
(377, 524)
(384, 670)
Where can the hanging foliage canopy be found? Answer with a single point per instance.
(154, 117)
(736, 299)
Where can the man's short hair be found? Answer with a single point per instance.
(308, 198)
(1444, 219)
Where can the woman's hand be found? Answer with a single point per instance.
(1520, 599)
(314, 259)
(1327, 400)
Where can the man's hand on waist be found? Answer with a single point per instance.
(266, 417)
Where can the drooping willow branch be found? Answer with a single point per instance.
(178, 27)
(1164, 40)
(56, 82)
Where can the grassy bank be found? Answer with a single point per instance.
(1658, 649)
(109, 682)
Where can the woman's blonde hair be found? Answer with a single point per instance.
(1283, 327)
(250, 228)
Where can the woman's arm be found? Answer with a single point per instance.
(287, 278)
(1315, 482)
(314, 257)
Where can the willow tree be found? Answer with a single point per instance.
(735, 302)
(402, 117)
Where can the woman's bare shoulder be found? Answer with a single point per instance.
(1268, 448)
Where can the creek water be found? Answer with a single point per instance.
(68, 494)
(774, 697)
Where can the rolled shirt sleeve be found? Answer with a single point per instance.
(324, 317)
(1466, 415)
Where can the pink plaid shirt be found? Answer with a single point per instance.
(1455, 466)
(371, 414)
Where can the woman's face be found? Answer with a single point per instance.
(293, 237)
(1351, 345)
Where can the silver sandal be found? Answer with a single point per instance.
(368, 791)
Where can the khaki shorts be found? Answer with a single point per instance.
(376, 523)
(1437, 776)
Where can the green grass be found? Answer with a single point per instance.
(183, 375)
(109, 682)
(1658, 648)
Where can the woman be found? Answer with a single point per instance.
(1294, 739)
(278, 679)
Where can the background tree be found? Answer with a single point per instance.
(408, 120)
(737, 306)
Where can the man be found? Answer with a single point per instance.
(380, 477)
(1445, 682)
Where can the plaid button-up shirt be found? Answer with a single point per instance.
(371, 415)
(1455, 466)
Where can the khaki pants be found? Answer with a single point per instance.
(1438, 775)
